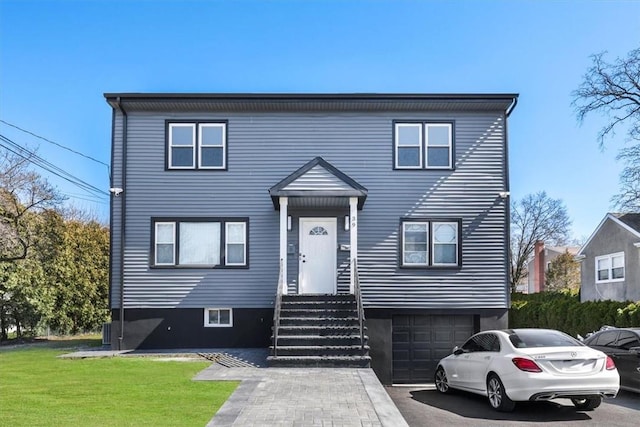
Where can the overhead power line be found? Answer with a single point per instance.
(57, 144)
(30, 156)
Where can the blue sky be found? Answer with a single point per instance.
(57, 58)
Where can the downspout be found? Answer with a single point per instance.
(123, 222)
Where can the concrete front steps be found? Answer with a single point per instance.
(319, 331)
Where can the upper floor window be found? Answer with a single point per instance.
(610, 268)
(430, 243)
(200, 242)
(196, 145)
(423, 145)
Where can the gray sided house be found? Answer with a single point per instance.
(610, 259)
(235, 211)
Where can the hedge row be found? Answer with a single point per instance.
(566, 313)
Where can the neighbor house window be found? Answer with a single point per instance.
(218, 317)
(430, 243)
(423, 145)
(610, 268)
(197, 145)
(200, 242)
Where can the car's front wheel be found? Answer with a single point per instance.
(588, 403)
(498, 398)
(442, 383)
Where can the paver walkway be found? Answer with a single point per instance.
(303, 397)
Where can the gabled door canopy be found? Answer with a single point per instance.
(322, 182)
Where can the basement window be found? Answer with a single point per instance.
(218, 317)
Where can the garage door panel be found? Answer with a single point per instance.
(418, 321)
(420, 341)
(421, 337)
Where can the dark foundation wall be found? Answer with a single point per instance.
(184, 328)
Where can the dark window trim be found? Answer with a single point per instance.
(423, 144)
(223, 256)
(429, 265)
(196, 147)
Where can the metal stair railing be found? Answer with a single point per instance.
(358, 295)
(276, 310)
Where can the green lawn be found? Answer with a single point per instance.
(38, 389)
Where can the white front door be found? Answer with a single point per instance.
(318, 246)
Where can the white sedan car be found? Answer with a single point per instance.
(529, 365)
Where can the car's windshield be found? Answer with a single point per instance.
(527, 338)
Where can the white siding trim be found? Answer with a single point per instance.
(284, 202)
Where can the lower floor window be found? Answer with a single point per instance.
(218, 317)
(200, 242)
(430, 242)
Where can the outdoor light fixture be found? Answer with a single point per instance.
(289, 222)
(346, 223)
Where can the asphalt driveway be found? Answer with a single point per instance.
(422, 406)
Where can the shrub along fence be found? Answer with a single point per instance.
(566, 313)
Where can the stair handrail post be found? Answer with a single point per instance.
(358, 295)
(276, 311)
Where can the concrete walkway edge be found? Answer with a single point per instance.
(385, 408)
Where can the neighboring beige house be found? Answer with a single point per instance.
(539, 264)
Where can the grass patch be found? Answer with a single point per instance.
(38, 389)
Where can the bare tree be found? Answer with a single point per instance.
(23, 193)
(613, 90)
(535, 217)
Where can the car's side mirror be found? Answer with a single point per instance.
(457, 351)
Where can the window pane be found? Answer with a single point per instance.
(607, 339)
(415, 238)
(617, 261)
(182, 135)
(438, 135)
(408, 156)
(214, 317)
(617, 273)
(408, 226)
(182, 156)
(164, 253)
(199, 243)
(444, 254)
(212, 156)
(626, 340)
(235, 253)
(603, 263)
(415, 257)
(211, 135)
(164, 233)
(603, 274)
(235, 233)
(438, 156)
(409, 135)
(412, 247)
(225, 317)
(445, 233)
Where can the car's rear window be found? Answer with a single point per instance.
(534, 338)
